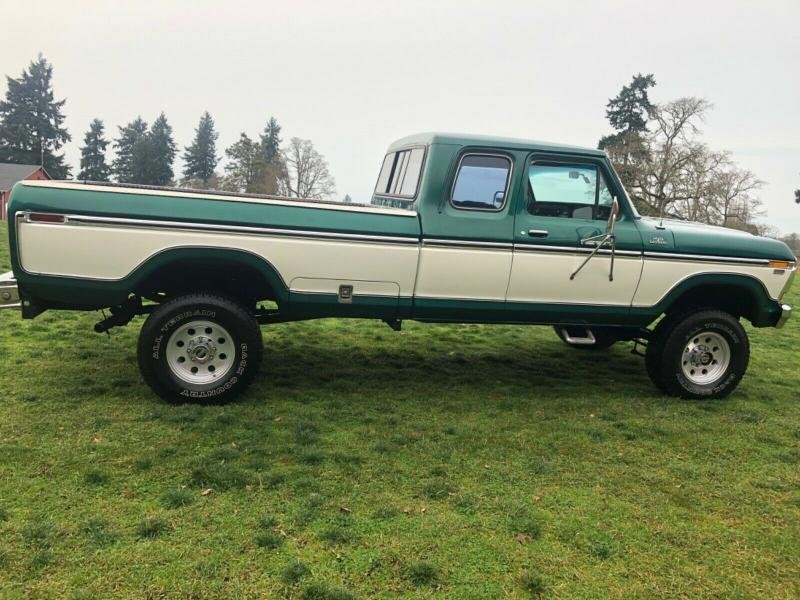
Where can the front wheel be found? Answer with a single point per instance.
(700, 354)
(199, 348)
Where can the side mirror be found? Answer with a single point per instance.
(598, 241)
(613, 215)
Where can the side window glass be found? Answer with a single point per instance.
(604, 199)
(481, 182)
(386, 171)
(400, 173)
(568, 191)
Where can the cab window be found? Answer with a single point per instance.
(481, 182)
(571, 191)
(399, 176)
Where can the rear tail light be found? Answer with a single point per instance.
(46, 218)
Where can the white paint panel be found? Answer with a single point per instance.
(104, 252)
(660, 276)
(478, 274)
(544, 277)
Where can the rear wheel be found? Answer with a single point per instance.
(199, 348)
(581, 337)
(700, 354)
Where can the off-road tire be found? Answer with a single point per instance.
(167, 321)
(603, 339)
(674, 334)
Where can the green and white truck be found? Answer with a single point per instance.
(460, 229)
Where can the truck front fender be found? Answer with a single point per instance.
(740, 294)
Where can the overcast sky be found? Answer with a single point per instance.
(353, 76)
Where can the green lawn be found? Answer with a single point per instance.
(443, 461)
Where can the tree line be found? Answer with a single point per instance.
(667, 168)
(657, 150)
(32, 132)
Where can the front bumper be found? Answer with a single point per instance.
(786, 312)
(9, 292)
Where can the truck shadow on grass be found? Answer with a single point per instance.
(548, 370)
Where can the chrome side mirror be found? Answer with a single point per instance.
(613, 216)
(604, 239)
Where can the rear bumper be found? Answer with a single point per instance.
(9, 292)
(786, 312)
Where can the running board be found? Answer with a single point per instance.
(589, 340)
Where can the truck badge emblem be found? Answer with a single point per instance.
(657, 239)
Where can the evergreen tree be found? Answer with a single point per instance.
(628, 113)
(128, 166)
(93, 154)
(31, 121)
(161, 150)
(631, 108)
(271, 140)
(200, 157)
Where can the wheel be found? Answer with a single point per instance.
(199, 348)
(700, 354)
(603, 339)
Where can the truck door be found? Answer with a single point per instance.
(465, 259)
(567, 200)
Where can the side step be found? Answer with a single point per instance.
(588, 340)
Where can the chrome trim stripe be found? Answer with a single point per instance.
(89, 219)
(570, 249)
(355, 295)
(389, 239)
(531, 303)
(466, 243)
(705, 258)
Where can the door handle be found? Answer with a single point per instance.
(539, 233)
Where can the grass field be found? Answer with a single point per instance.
(443, 461)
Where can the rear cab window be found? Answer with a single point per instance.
(400, 173)
(481, 182)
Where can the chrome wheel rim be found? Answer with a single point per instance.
(706, 358)
(200, 352)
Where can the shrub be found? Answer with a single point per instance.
(151, 527)
(532, 583)
(422, 573)
(294, 572)
(322, 591)
(269, 540)
(177, 498)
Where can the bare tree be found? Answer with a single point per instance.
(671, 148)
(306, 174)
(733, 200)
(669, 170)
(698, 182)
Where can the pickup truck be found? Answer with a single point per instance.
(460, 229)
